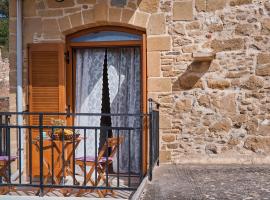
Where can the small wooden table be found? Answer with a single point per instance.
(66, 155)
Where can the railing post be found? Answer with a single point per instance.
(150, 139)
(41, 154)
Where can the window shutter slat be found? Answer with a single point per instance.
(46, 92)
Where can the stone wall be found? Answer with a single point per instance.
(211, 111)
(4, 84)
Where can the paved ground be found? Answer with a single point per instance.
(196, 182)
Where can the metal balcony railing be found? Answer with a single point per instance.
(41, 155)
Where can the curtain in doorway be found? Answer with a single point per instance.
(126, 61)
(124, 88)
(89, 64)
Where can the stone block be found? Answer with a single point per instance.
(211, 149)
(75, 19)
(267, 5)
(263, 70)
(63, 4)
(168, 138)
(86, 1)
(179, 28)
(228, 104)
(29, 8)
(164, 122)
(266, 26)
(127, 16)
(141, 19)
(218, 84)
(31, 26)
(150, 6)
(258, 144)
(50, 28)
(156, 25)
(12, 8)
(4, 104)
(223, 125)
(159, 85)
(193, 25)
(153, 64)
(72, 10)
(239, 2)
(213, 5)
(228, 45)
(115, 14)
(204, 101)
(12, 26)
(101, 11)
(184, 105)
(165, 156)
(244, 29)
(200, 5)
(263, 58)
(253, 83)
(183, 10)
(159, 43)
(51, 13)
(64, 23)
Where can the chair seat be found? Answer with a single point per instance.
(92, 159)
(5, 158)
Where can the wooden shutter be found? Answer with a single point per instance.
(46, 78)
(46, 90)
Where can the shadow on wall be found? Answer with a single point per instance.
(191, 77)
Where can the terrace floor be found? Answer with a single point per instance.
(215, 182)
(27, 192)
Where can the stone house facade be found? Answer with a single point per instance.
(208, 65)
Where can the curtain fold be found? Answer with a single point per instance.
(126, 61)
(88, 94)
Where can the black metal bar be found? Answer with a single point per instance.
(8, 153)
(129, 159)
(107, 154)
(52, 151)
(73, 114)
(96, 154)
(73, 156)
(84, 156)
(141, 148)
(20, 156)
(30, 156)
(63, 156)
(41, 154)
(150, 142)
(72, 186)
(1, 140)
(118, 150)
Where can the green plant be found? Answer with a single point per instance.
(4, 27)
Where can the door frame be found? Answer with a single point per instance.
(71, 71)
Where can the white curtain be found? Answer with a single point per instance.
(127, 63)
(88, 94)
(124, 89)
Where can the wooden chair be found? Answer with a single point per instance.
(5, 162)
(100, 165)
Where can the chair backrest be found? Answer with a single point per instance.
(112, 143)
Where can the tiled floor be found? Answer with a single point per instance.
(213, 182)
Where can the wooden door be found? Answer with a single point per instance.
(46, 93)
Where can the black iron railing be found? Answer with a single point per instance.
(45, 160)
(153, 136)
